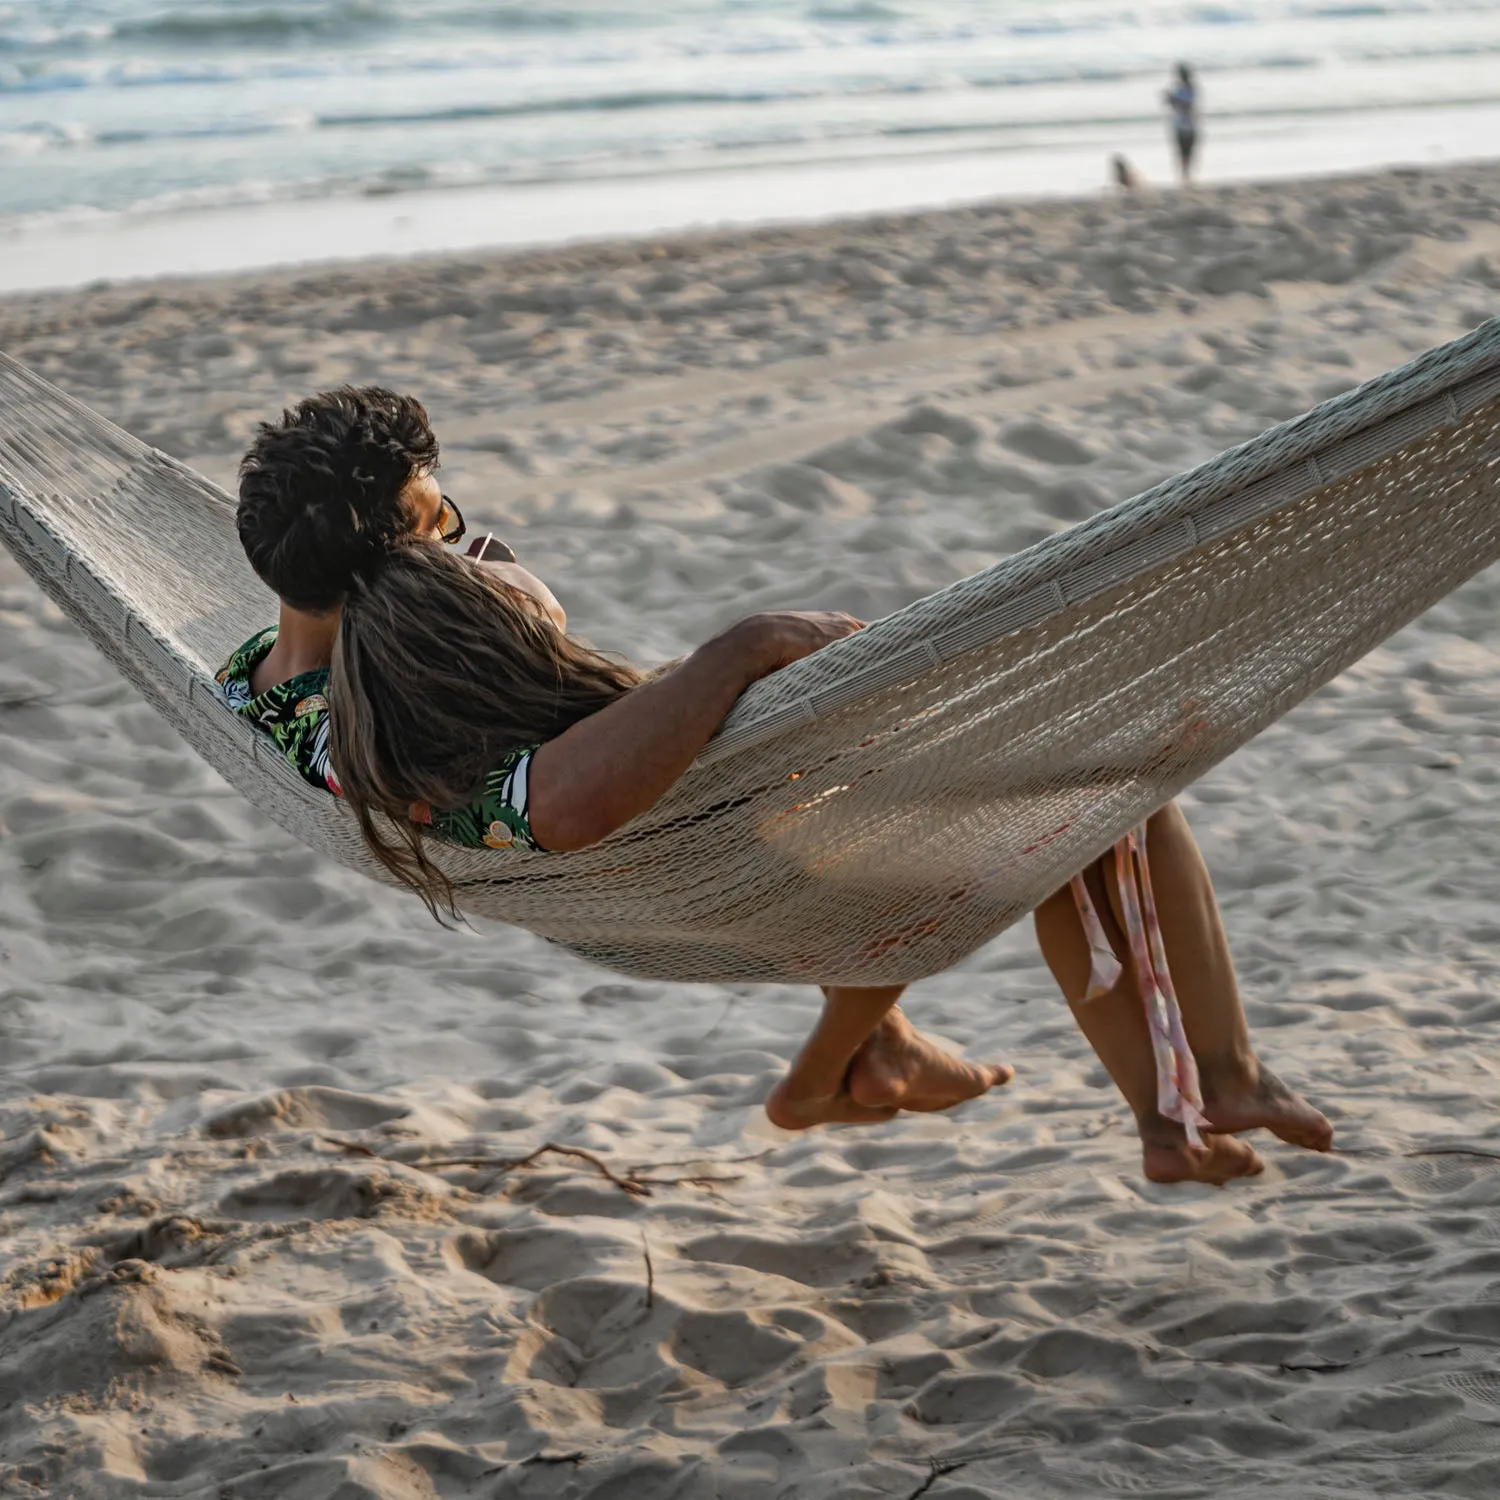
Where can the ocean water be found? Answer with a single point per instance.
(129, 110)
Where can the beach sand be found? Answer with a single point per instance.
(275, 1216)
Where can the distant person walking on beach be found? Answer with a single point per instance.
(1182, 100)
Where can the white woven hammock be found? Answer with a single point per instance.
(879, 810)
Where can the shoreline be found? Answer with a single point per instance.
(288, 234)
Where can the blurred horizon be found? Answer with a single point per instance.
(135, 111)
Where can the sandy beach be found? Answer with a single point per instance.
(304, 1197)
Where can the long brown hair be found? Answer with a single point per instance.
(439, 669)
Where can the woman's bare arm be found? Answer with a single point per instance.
(613, 765)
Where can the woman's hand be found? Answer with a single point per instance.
(778, 638)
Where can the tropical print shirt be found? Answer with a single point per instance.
(295, 715)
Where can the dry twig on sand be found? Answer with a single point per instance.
(633, 1182)
(650, 1271)
(937, 1469)
(628, 1184)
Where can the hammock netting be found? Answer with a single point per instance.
(877, 811)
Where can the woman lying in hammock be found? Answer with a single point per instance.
(460, 709)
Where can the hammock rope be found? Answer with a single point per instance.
(875, 812)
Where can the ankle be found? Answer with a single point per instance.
(1155, 1129)
(893, 1026)
(1233, 1072)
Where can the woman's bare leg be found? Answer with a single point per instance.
(864, 1061)
(1115, 1026)
(1239, 1091)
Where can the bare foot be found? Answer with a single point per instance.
(898, 1068)
(1166, 1156)
(1263, 1102)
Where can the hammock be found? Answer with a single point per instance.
(875, 812)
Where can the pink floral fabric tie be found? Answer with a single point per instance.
(1178, 1092)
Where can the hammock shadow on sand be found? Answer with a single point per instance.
(877, 811)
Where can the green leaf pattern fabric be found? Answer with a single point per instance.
(295, 715)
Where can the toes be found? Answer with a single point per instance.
(1219, 1160)
(1253, 1166)
(1230, 1159)
(1316, 1134)
(981, 1078)
(1311, 1135)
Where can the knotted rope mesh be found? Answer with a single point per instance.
(871, 814)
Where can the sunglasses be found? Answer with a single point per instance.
(450, 522)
